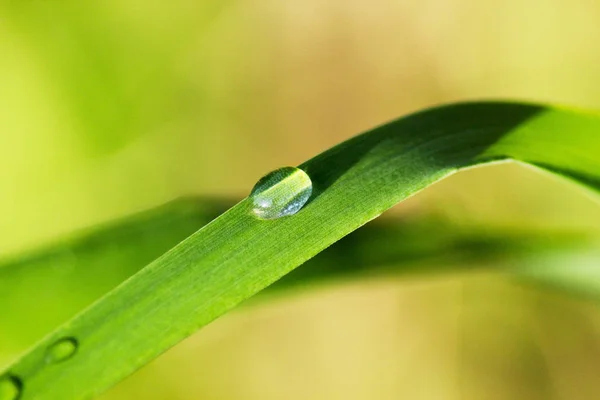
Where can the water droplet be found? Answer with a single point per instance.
(10, 387)
(62, 350)
(281, 193)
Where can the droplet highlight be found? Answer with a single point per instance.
(281, 193)
(10, 387)
(62, 350)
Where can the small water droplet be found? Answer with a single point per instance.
(10, 387)
(281, 193)
(62, 350)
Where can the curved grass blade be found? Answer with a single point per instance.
(42, 289)
(46, 288)
(237, 255)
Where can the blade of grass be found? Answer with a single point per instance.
(237, 255)
(46, 288)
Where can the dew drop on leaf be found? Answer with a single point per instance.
(281, 193)
(10, 387)
(62, 350)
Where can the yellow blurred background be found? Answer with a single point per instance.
(112, 107)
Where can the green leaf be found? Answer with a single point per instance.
(40, 291)
(237, 255)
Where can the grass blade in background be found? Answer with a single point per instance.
(238, 255)
(48, 287)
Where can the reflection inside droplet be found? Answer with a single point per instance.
(281, 193)
(10, 387)
(62, 350)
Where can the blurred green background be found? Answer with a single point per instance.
(108, 108)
